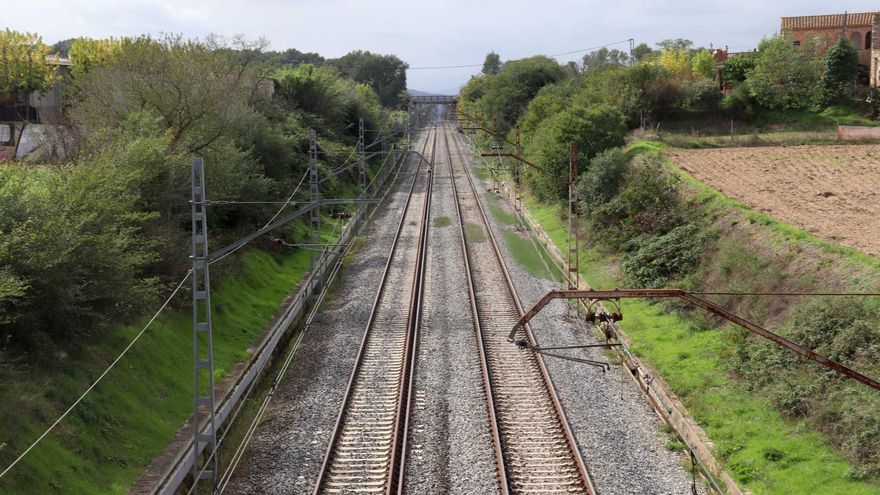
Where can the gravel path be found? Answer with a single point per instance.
(451, 448)
(289, 446)
(619, 435)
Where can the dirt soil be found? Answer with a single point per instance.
(830, 191)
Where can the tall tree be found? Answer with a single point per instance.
(703, 64)
(786, 76)
(641, 52)
(24, 68)
(841, 68)
(385, 73)
(603, 58)
(87, 53)
(492, 64)
(195, 88)
(517, 83)
(675, 44)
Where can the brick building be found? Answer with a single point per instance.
(858, 28)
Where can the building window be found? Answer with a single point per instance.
(797, 43)
(868, 40)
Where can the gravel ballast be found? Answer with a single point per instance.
(286, 453)
(620, 437)
(450, 445)
(450, 448)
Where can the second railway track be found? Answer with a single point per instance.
(535, 448)
(367, 445)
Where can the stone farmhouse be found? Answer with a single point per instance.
(859, 28)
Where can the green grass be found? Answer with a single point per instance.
(107, 441)
(763, 451)
(475, 233)
(442, 221)
(498, 212)
(481, 173)
(526, 256)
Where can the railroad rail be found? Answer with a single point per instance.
(535, 449)
(366, 450)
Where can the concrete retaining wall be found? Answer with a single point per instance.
(858, 133)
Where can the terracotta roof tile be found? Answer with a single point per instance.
(860, 19)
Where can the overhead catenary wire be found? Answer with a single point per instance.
(289, 199)
(100, 377)
(164, 305)
(258, 415)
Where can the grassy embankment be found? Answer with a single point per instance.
(765, 451)
(768, 128)
(107, 441)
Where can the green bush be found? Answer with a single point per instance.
(739, 102)
(701, 95)
(846, 330)
(592, 130)
(602, 180)
(659, 259)
(73, 254)
(649, 203)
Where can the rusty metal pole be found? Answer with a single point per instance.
(573, 268)
(517, 179)
(497, 148)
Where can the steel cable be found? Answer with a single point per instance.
(100, 377)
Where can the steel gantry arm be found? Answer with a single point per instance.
(599, 295)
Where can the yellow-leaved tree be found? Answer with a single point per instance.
(88, 53)
(24, 68)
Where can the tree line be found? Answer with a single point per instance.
(660, 233)
(93, 238)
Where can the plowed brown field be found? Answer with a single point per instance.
(831, 191)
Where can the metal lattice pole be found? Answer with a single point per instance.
(203, 339)
(362, 162)
(315, 212)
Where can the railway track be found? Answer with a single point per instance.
(535, 448)
(366, 450)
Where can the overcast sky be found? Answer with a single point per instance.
(425, 34)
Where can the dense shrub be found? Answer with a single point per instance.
(649, 203)
(701, 95)
(739, 102)
(592, 130)
(73, 252)
(658, 259)
(844, 330)
(602, 180)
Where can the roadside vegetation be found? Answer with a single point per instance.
(95, 236)
(782, 424)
